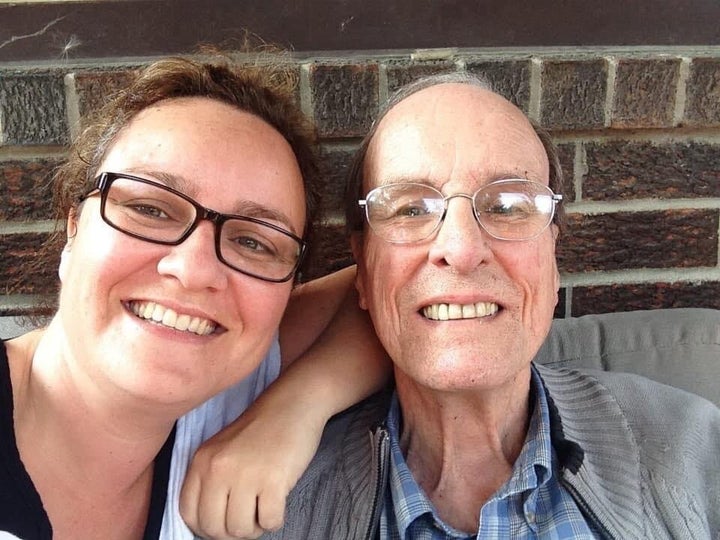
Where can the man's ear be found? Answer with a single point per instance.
(70, 231)
(556, 233)
(356, 245)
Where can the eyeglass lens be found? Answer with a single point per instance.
(508, 210)
(152, 212)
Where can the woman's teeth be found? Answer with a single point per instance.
(450, 312)
(168, 317)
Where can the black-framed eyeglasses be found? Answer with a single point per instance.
(511, 209)
(156, 213)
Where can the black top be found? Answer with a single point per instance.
(21, 509)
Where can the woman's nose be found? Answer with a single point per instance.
(194, 262)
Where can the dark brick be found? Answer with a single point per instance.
(400, 74)
(625, 240)
(17, 263)
(559, 312)
(702, 106)
(645, 93)
(95, 88)
(510, 78)
(29, 317)
(25, 189)
(345, 98)
(32, 108)
(334, 167)
(629, 297)
(629, 170)
(566, 153)
(330, 252)
(573, 94)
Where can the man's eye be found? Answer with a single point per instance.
(510, 210)
(411, 211)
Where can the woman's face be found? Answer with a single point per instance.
(229, 161)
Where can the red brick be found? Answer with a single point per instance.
(26, 189)
(702, 106)
(32, 108)
(334, 167)
(344, 97)
(330, 251)
(400, 74)
(573, 94)
(509, 78)
(19, 253)
(566, 154)
(621, 241)
(97, 87)
(645, 93)
(629, 170)
(629, 297)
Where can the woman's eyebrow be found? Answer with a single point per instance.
(175, 181)
(243, 208)
(259, 211)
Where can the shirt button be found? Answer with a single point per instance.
(530, 516)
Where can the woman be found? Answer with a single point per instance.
(186, 204)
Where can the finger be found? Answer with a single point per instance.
(211, 510)
(271, 508)
(241, 517)
(189, 501)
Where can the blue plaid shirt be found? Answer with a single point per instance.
(531, 504)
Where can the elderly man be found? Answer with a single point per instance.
(456, 266)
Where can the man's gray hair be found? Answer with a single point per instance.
(354, 182)
(456, 77)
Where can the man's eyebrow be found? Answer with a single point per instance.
(403, 179)
(242, 208)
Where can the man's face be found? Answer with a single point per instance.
(457, 138)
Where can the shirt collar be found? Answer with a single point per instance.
(532, 469)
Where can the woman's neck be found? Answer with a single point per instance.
(87, 453)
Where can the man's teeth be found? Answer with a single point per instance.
(449, 312)
(167, 317)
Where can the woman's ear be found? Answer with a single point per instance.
(70, 231)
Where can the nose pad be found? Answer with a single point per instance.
(461, 242)
(194, 262)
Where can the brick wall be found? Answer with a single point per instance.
(638, 130)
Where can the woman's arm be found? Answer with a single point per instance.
(238, 481)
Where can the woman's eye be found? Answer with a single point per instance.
(250, 243)
(254, 245)
(148, 210)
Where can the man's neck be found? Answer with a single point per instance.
(461, 446)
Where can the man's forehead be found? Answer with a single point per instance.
(452, 124)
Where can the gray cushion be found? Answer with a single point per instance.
(679, 347)
(10, 327)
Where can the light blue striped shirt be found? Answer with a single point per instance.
(531, 504)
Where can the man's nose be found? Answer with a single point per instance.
(194, 262)
(461, 242)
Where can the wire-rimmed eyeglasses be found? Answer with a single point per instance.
(156, 213)
(511, 209)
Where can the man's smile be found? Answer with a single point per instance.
(450, 312)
